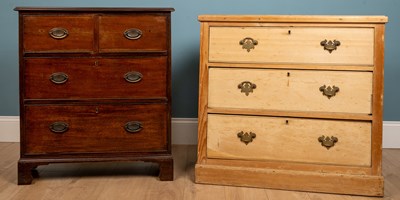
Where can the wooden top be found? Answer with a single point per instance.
(92, 9)
(293, 18)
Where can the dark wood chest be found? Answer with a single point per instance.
(95, 85)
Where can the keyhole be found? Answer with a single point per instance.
(97, 110)
(288, 74)
(289, 32)
(287, 122)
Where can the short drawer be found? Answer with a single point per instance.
(61, 33)
(121, 33)
(95, 128)
(80, 78)
(290, 90)
(292, 45)
(289, 139)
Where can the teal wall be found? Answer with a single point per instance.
(185, 40)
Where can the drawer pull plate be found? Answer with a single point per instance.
(133, 34)
(329, 45)
(133, 77)
(328, 142)
(248, 43)
(329, 91)
(247, 87)
(59, 127)
(59, 77)
(58, 33)
(133, 126)
(246, 137)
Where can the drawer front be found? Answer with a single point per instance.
(80, 78)
(66, 33)
(289, 139)
(98, 128)
(294, 45)
(292, 90)
(119, 33)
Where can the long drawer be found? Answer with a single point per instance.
(292, 45)
(64, 129)
(294, 90)
(289, 139)
(80, 78)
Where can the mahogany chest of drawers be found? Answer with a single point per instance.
(292, 102)
(95, 86)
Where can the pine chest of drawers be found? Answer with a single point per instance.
(95, 86)
(292, 102)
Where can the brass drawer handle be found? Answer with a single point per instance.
(133, 77)
(329, 45)
(58, 33)
(328, 142)
(248, 43)
(133, 126)
(59, 77)
(329, 91)
(59, 127)
(247, 87)
(133, 34)
(246, 137)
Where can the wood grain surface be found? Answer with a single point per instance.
(130, 180)
(292, 45)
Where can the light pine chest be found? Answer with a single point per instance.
(291, 102)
